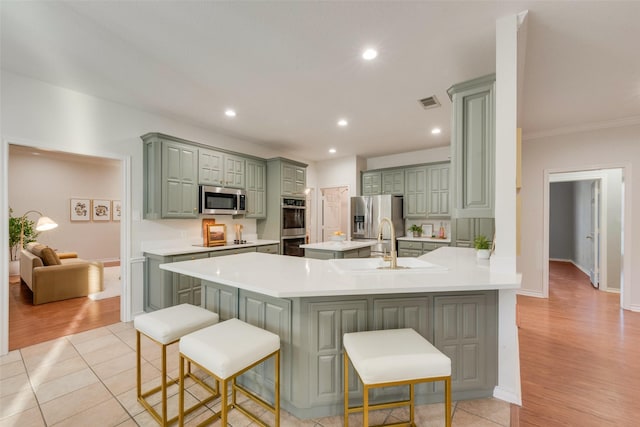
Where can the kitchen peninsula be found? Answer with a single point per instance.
(310, 303)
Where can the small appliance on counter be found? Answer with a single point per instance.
(238, 237)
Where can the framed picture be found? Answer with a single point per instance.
(116, 210)
(217, 234)
(79, 209)
(427, 230)
(100, 210)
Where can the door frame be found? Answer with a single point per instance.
(580, 174)
(125, 230)
(344, 194)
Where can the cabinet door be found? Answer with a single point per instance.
(234, 171)
(300, 180)
(464, 232)
(186, 288)
(415, 194)
(473, 145)
(484, 226)
(179, 180)
(268, 249)
(256, 179)
(210, 167)
(221, 299)
(461, 332)
(371, 183)
(438, 184)
(393, 182)
(329, 321)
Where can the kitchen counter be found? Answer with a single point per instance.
(311, 303)
(424, 239)
(339, 246)
(286, 277)
(191, 249)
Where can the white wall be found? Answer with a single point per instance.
(431, 155)
(46, 183)
(597, 149)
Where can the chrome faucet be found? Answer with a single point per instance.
(393, 257)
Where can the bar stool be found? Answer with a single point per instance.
(225, 351)
(166, 327)
(393, 357)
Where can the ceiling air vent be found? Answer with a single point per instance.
(430, 102)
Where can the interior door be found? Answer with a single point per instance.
(594, 234)
(331, 212)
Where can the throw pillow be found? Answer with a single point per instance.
(49, 257)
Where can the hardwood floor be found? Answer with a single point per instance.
(579, 355)
(32, 324)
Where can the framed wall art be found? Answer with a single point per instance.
(79, 209)
(116, 210)
(217, 234)
(100, 210)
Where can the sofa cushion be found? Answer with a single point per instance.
(48, 255)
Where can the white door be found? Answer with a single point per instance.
(333, 212)
(594, 234)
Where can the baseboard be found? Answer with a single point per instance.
(613, 291)
(634, 307)
(560, 260)
(526, 293)
(507, 395)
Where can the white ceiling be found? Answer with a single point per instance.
(291, 69)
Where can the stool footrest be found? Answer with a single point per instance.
(254, 398)
(387, 405)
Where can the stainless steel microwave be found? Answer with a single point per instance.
(222, 201)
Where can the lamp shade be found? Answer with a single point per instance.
(45, 223)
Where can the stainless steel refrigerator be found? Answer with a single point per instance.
(366, 213)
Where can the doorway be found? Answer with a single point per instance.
(584, 225)
(335, 211)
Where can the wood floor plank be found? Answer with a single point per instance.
(579, 355)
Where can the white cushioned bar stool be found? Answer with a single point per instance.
(166, 327)
(393, 357)
(225, 351)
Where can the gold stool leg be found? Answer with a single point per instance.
(365, 406)
(181, 399)
(225, 406)
(447, 402)
(164, 385)
(412, 405)
(346, 389)
(138, 367)
(277, 390)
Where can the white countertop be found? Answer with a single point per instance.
(338, 246)
(425, 239)
(289, 277)
(192, 249)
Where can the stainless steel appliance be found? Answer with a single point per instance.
(293, 231)
(222, 201)
(366, 214)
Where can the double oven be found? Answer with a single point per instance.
(293, 231)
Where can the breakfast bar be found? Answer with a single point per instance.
(447, 296)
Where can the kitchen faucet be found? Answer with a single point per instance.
(393, 257)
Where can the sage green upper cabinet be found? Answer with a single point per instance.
(170, 178)
(256, 189)
(294, 179)
(438, 185)
(393, 182)
(222, 169)
(473, 147)
(415, 192)
(371, 183)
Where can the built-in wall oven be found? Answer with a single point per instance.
(294, 228)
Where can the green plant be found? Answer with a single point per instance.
(30, 234)
(481, 242)
(415, 228)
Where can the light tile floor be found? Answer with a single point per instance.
(89, 379)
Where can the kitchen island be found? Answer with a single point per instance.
(453, 302)
(338, 249)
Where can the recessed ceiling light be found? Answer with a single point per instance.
(369, 54)
(230, 113)
(332, 150)
(342, 122)
(436, 131)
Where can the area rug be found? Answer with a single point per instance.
(111, 284)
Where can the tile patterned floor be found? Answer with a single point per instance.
(89, 379)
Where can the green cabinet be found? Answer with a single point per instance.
(294, 179)
(221, 169)
(415, 194)
(393, 182)
(170, 178)
(438, 191)
(466, 230)
(331, 254)
(473, 147)
(371, 183)
(164, 289)
(256, 188)
(466, 331)
(232, 251)
(269, 249)
(415, 248)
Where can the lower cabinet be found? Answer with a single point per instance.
(269, 249)
(412, 248)
(328, 254)
(233, 251)
(466, 230)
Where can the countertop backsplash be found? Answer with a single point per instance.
(435, 223)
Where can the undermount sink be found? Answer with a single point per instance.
(377, 265)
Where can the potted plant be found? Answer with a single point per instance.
(30, 235)
(416, 230)
(483, 246)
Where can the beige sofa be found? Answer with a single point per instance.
(53, 276)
